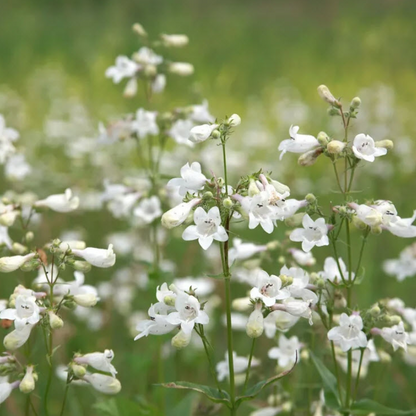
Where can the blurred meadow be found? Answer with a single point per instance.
(261, 59)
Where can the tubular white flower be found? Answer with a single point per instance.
(27, 385)
(255, 323)
(234, 120)
(98, 257)
(207, 229)
(102, 383)
(26, 312)
(148, 209)
(145, 123)
(192, 179)
(6, 389)
(396, 336)
(278, 320)
(298, 143)
(177, 215)
(240, 366)
(60, 202)
(183, 69)
(268, 289)
(181, 340)
(201, 133)
(175, 41)
(364, 148)
(287, 352)
(243, 251)
(348, 335)
(124, 68)
(87, 300)
(99, 360)
(180, 131)
(10, 264)
(313, 233)
(17, 338)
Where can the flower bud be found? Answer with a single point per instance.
(102, 383)
(18, 248)
(355, 103)
(174, 41)
(227, 203)
(98, 257)
(70, 304)
(310, 198)
(253, 188)
(81, 266)
(130, 90)
(234, 120)
(27, 385)
(30, 266)
(207, 196)
(360, 225)
(8, 218)
(138, 29)
(333, 111)
(78, 370)
(216, 134)
(287, 407)
(177, 215)
(322, 138)
(280, 187)
(376, 230)
(181, 68)
(320, 283)
(255, 324)
(286, 280)
(17, 338)
(335, 147)
(10, 264)
(29, 236)
(304, 355)
(310, 157)
(326, 95)
(55, 321)
(181, 340)
(86, 299)
(395, 320)
(387, 144)
(241, 304)
(150, 70)
(169, 300)
(281, 260)
(273, 245)
(374, 311)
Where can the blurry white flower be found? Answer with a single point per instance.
(60, 202)
(201, 133)
(278, 320)
(298, 143)
(6, 388)
(240, 366)
(243, 251)
(396, 336)
(302, 258)
(130, 90)
(349, 334)
(331, 271)
(99, 360)
(148, 209)
(7, 136)
(188, 313)
(207, 229)
(287, 352)
(180, 131)
(87, 300)
(26, 312)
(145, 123)
(147, 56)
(202, 286)
(364, 148)
(102, 383)
(268, 289)
(404, 266)
(10, 264)
(124, 68)
(267, 411)
(181, 68)
(16, 167)
(181, 339)
(313, 233)
(175, 41)
(5, 239)
(201, 114)
(98, 257)
(192, 179)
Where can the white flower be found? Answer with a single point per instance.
(404, 266)
(180, 131)
(278, 320)
(207, 229)
(159, 83)
(6, 389)
(147, 56)
(7, 136)
(298, 143)
(87, 300)
(17, 338)
(297, 307)
(396, 336)
(243, 251)
(201, 114)
(234, 120)
(201, 133)
(302, 258)
(181, 68)
(268, 289)
(267, 411)
(5, 239)
(188, 313)
(177, 215)
(148, 209)
(259, 211)
(60, 202)
(192, 179)
(287, 352)
(349, 334)
(26, 312)
(202, 286)
(402, 227)
(17, 168)
(145, 123)
(130, 90)
(124, 68)
(181, 340)
(298, 288)
(331, 271)
(8, 215)
(240, 366)
(102, 383)
(99, 360)
(98, 257)
(364, 148)
(175, 41)
(10, 264)
(313, 233)
(158, 324)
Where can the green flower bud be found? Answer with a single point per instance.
(355, 103)
(81, 266)
(30, 266)
(286, 280)
(273, 245)
(139, 30)
(327, 96)
(227, 203)
(311, 198)
(360, 225)
(169, 300)
(281, 260)
(374, 311)
(78, 370)
(253, 188)
(335, 147)
(181, 340)
(29, 236)
(323, 138)
(295, 220)
(207, 195)
(216, 134)
(333, 111)
(55, 321)
(387, 144)
(70, 304)
(376, 230)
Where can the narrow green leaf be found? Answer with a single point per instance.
(366, 406)
(258, 387)
(212, 393)
(329, 380)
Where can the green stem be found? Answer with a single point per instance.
(365, 236)
(224, 157)
(337, 176)
(65, 395)
(334, 357)
(357, 381)
(347, 227)
(349, 377)
(253, 343)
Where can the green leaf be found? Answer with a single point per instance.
(258, 387)
(329, 380)
(366, 406)
(215, 276)
(212, 393)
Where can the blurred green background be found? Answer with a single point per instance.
(259, 59)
